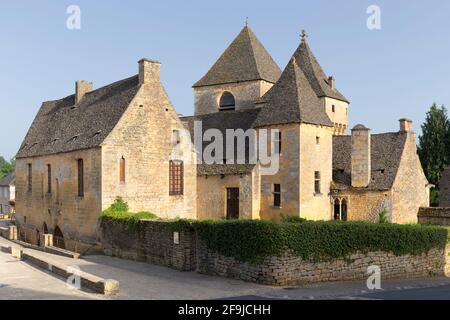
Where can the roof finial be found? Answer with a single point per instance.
(304, 36)
(246, 21)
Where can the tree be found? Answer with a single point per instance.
(433, 150)
(6, 167)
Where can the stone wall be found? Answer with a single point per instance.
(444, 188)
(153, 242)
(434, 216)
(75, 216)
(290, 270)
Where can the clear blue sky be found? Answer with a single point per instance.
(398, 71)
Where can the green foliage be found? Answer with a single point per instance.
(119, 205)
(383, 217)
(118, 212)
(434, 147)
(252, 241)
(434, 197)
(293, 219)
(6, 167)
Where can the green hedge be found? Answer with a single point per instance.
(252, 241)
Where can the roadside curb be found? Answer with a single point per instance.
(107, 287)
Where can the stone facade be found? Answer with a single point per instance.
(444, 189)
(7, 194)
(434, 216)
(143, 139)
(245, 94)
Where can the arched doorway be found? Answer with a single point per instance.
(58, 238)
(38, 238)
(337, 210)
(45, 228)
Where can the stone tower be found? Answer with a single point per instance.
(360, 156)
(334, 102)
(242, 75)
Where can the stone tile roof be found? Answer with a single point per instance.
(222, 121)
(292, 100)
(315, 74)
(245, 59)
(386, 153)
(9, 180)
(62, 126)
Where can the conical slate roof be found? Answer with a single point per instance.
(314, 72)
(245, 59)
(292, 100)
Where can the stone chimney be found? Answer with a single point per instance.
(81, 88)
(149, 71)
(332, 82)
(406, 125)
(361, 156)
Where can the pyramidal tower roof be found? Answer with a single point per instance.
(292, 100)
(314, 72)
(245, 59)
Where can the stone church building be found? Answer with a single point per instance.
(84, 150)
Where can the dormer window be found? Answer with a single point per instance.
(227, 102)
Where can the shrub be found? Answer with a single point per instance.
(293, 219)
(382, 217)
(118, 212)
(252, 241)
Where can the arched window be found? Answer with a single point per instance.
(344, 210)
(58, 238)
(227, 101)
(45, 229)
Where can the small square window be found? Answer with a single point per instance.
(333, 108)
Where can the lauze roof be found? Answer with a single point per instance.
(63, 126)
(245, 59)
(9, 180)
(386, 154)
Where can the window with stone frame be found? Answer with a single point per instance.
(277, 142)
(317, 182)
(49, 178)
(227, 101)
(277, 195)
(122, 170)
(80, 167)
(30, 177)
(176, 177)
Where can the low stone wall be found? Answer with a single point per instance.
(290, 270)
(156, 243)
(153, 242)
(434, 216)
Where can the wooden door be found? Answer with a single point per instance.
(232, 203)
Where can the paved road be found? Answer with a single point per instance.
(18, 280)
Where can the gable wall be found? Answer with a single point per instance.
(410, 191)
(143, 137)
